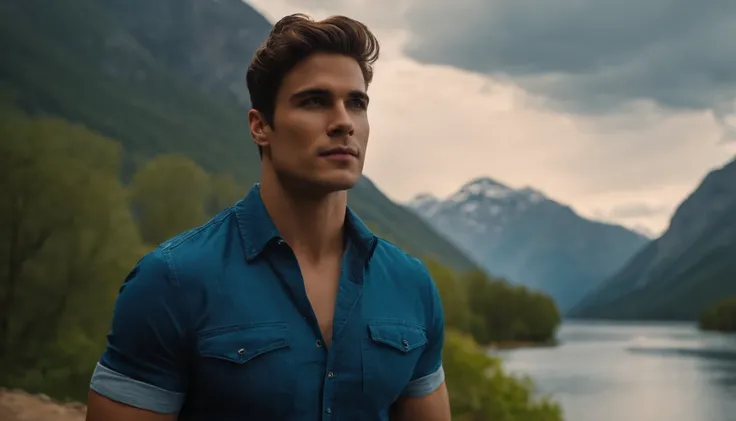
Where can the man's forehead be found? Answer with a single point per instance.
(339, 75)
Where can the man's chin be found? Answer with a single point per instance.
(314, 187)
(339, 185)
(336, 182)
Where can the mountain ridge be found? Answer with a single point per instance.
(504, 229)
(684, 270)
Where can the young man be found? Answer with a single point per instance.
(285, 306)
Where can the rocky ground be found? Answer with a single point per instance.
(16, 405)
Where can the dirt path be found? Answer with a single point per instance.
(16, 405)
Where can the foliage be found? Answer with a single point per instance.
(481, 390)
(483, 310)
(67, 231)
(720, 316)
(169, 195)
(493, 310)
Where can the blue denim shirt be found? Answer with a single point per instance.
(215, 324)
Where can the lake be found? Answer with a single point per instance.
(634, 372)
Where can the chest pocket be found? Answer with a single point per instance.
(390, 355)
(247, 367)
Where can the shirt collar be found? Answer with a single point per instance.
(258, 230)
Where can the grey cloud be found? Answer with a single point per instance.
(589, 56)
(378, 14)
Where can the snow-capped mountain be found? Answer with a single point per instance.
(528, 238)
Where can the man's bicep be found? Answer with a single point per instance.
(143, 365)
(425, 385)
(102, 408)
(433, 406)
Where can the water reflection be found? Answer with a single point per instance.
(635, 372)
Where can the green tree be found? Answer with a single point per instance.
(67, 232)
(224, 192)
(169, 195)
(502, 312)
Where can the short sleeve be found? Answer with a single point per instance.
(144, 363)
(429, 374)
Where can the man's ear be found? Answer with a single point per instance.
(259, 128)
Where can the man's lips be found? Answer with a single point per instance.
(342, 151)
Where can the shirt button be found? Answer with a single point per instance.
(328, 410)
(319, 343)
(405, 343)
(242, 351)
(330, 374)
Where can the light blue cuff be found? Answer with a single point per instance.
(423, 386)
(123, 389)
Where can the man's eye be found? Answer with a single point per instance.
(314, 101)
(357, 104)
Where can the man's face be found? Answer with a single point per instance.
(320, 132)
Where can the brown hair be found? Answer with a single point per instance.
(296, 37)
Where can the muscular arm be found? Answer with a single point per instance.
(426, 397)
(432, 407)
(141, 376)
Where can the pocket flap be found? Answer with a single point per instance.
(242, 344)
(402, 337)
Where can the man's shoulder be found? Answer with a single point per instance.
(400, 263)
(200, 244)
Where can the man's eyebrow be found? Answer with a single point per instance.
(310, 92)
(326, 93)
(359, 95)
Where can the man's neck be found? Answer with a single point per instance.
(313, 227)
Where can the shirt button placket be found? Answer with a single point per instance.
(328, 410)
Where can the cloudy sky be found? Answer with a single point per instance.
(616, 107)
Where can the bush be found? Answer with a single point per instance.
(720, 316)
(480, 390)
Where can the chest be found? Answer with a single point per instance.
(321, 282)
(258, 349)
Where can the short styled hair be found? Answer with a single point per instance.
(296, 37)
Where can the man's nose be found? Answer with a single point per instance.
(342, 124)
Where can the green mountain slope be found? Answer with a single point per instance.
(689, 267)
(160, 77)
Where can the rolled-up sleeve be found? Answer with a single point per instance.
(144, 362)
(428, 373)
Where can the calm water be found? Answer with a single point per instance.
(635, 372)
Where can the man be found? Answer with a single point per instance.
(285, 306)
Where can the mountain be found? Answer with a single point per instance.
(688, 268)
(524, 236)
(164, 76)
